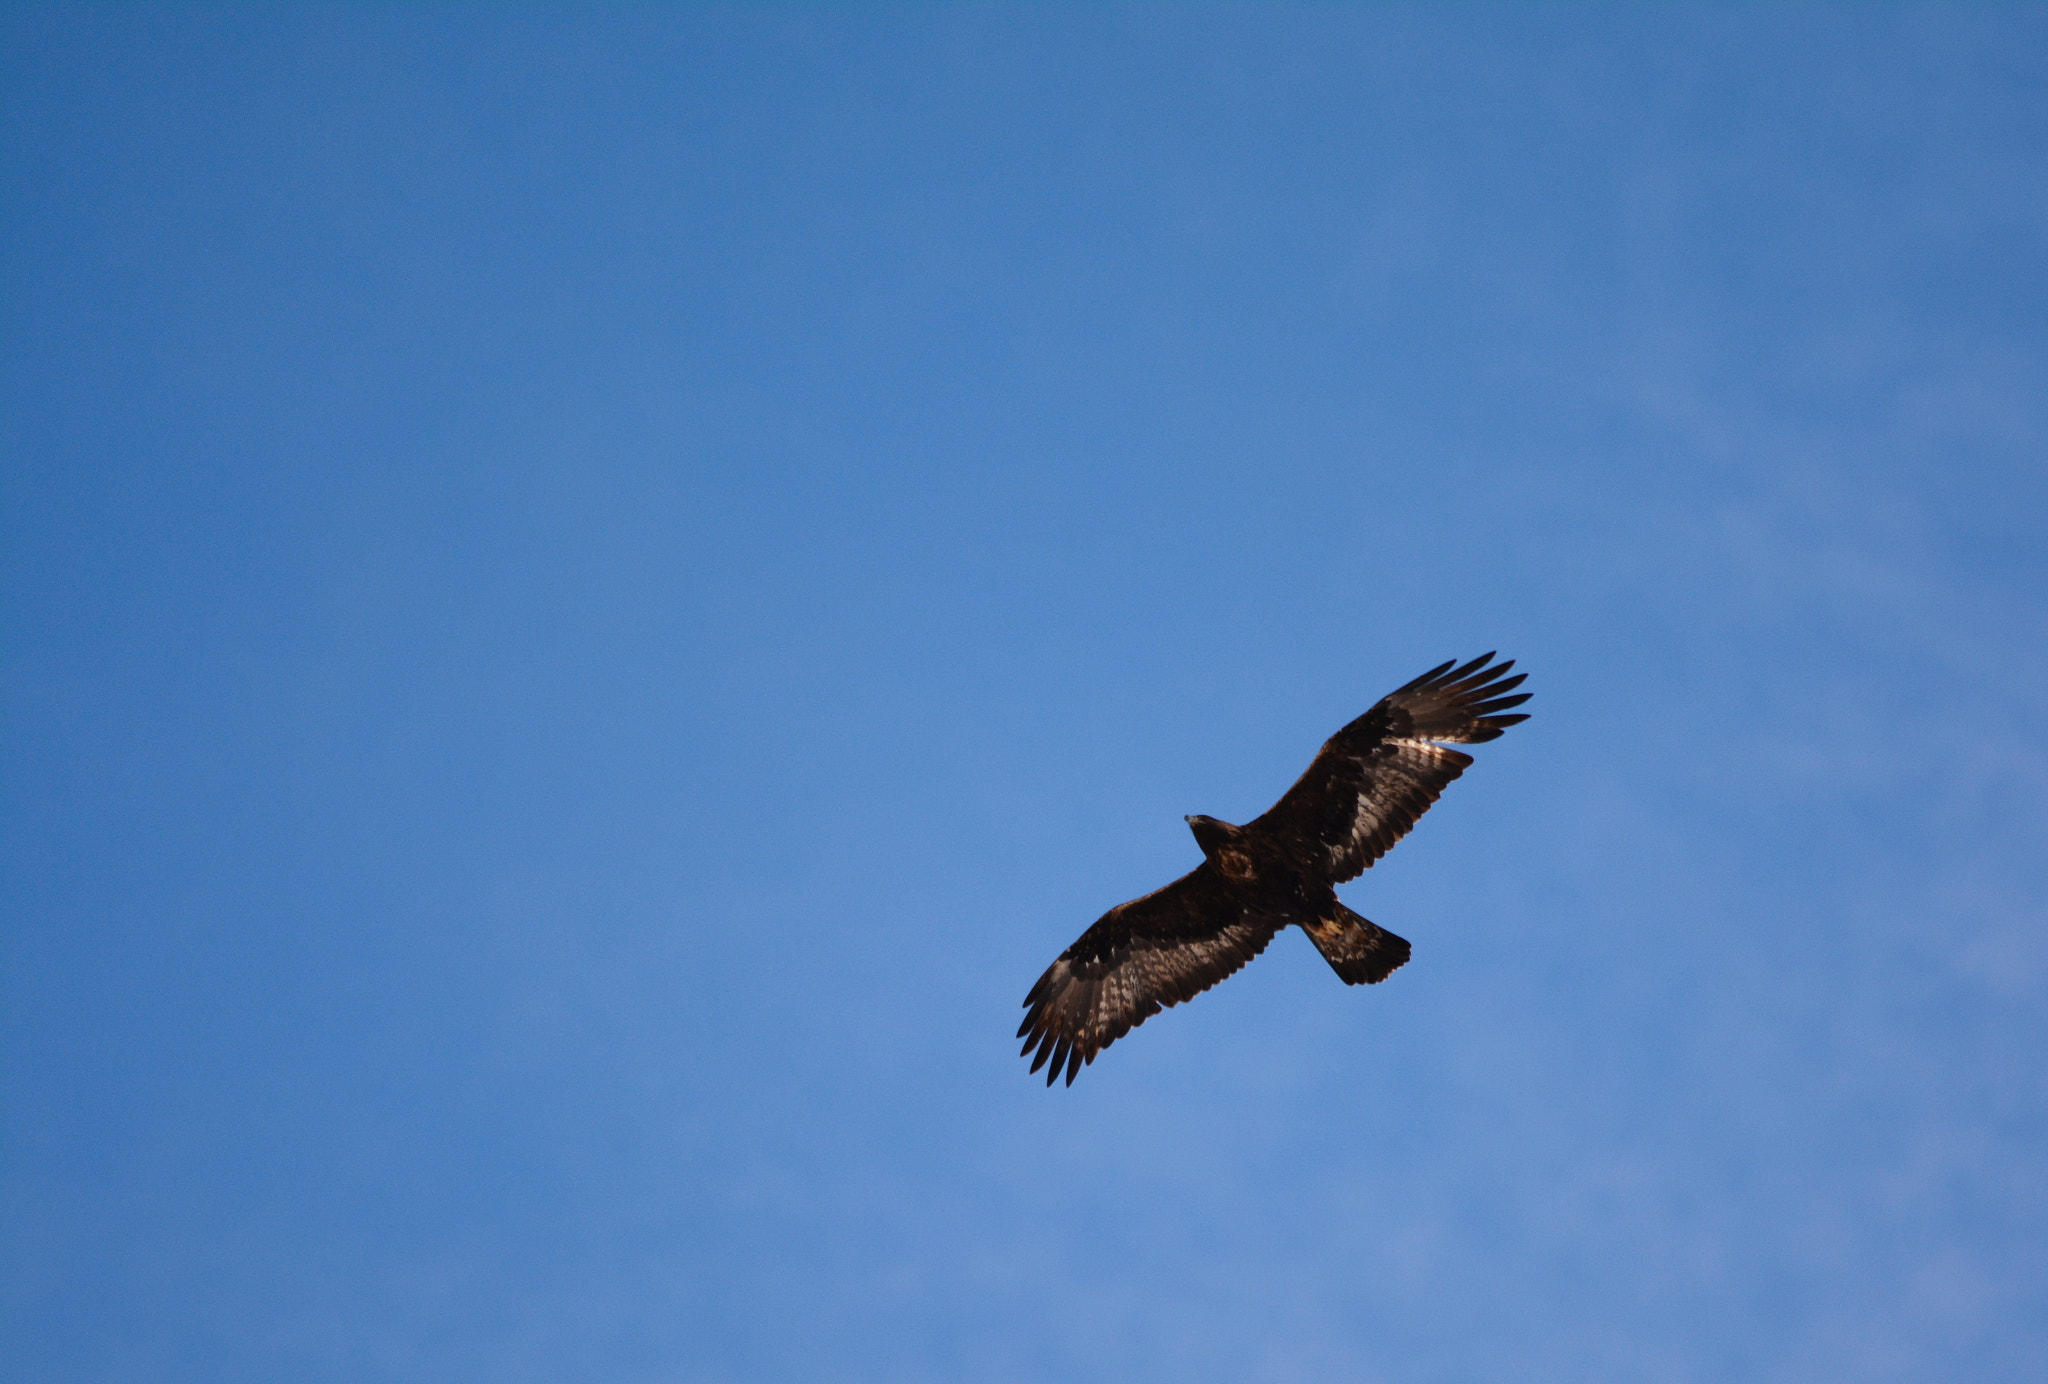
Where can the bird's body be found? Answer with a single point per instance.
(1361, 795)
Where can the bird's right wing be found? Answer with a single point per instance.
(1138, 958)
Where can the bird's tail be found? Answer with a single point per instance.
(1360, 952)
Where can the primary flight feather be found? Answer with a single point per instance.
(1362, 793)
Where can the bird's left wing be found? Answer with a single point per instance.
(1138, 958)
(1378, 774)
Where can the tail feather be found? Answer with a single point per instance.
(1360, 952)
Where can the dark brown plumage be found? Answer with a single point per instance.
(1361, 795)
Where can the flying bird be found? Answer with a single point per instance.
(1362, 793)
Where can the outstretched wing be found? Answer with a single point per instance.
(1138, 958)
(1378, 774)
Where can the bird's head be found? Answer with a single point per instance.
(1210, 833)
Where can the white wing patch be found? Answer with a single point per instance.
(1402, 779)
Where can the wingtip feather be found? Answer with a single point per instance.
(1458, 675)
(1426, 678)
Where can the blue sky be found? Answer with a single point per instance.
(590, 595)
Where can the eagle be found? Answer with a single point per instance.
(1361, 794)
